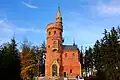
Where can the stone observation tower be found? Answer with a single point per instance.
(61, 60)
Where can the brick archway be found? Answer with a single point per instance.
(57, 67)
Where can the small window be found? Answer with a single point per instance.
(54, 32)
(55, 44)
(60, 33)
(70, 70)
(48, 46)
(57, 60)
(49, 33)
(54, 50)
(65, 54)
(73, 54)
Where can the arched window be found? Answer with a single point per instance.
(54, 70)
(60, 34)
(70, 70)
(65, 54)
(73, 54)
(48, 46)
(54, 44)
(54, 50)
(49, 33)
(54, 32)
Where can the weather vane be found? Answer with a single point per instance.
(59, 3)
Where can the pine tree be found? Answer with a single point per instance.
(86, 64)
(9, 61)
(107, 55)
(81, 59)
(41, 57)
(90, 58)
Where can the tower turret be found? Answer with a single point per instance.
(54, 45)
(54, 33)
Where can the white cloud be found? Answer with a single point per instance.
(6, 25)
(29, 5)
(109, 8)
(36, 30)
(1, 21)
(8, 29)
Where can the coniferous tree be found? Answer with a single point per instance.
(41, 57)
(96, 55)
(89, 61)
(90, 58)
(81, 59)
(9, 61)
(107, 55)
(86, 64)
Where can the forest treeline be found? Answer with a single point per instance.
(21, 65)
(101, 61)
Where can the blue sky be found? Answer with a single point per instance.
(83, 20)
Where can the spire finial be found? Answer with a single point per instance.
(73, 41)
(58, 16)
(58, 3)
(58, 13)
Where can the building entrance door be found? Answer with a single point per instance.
(64, 74)
(54, 70)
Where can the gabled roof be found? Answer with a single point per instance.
(70, 47)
